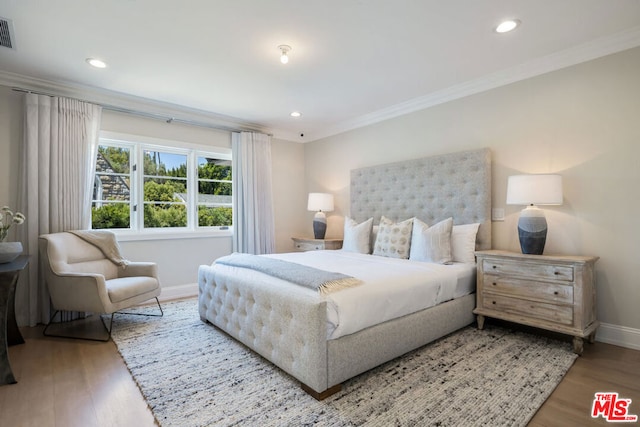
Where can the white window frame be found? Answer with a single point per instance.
(137, 145)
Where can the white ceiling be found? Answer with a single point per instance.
(354, 62)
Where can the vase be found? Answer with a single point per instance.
(9, 251)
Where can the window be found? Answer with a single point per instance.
(146, 187)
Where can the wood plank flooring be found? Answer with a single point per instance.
(64, 382)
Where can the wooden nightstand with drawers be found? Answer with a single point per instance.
(556, 293)
(302, 244)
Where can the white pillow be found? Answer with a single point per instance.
(393, 239)
(357, 236)
(463, 242)
(431, 244)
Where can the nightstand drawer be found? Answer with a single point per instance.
(542, 271)
(551, 292)
(540, 310)
(304, 246)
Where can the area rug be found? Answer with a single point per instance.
(192, 374)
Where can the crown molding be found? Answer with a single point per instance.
(128, 103)
(604, 46)
(608, 45)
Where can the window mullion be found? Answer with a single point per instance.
(139, 187)
(192, 190)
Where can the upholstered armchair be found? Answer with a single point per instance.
(84, 272)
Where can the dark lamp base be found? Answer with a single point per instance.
(319, 225)
(319, 229)
(532, 242)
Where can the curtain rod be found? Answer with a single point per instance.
(167, 119)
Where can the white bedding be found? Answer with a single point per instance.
(392, 287)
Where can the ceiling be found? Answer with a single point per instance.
(353, 62)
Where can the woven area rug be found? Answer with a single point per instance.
(192, 374)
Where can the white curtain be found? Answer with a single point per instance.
(58, 161)
(253, 222)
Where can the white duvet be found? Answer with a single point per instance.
(391, 287)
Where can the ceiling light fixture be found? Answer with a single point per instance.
(96, 63)
(296, 114)
(284, 53)
(508, 25)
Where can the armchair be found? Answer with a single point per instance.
(88, 277)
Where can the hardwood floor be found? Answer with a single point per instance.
(64, 382)
(601, 368)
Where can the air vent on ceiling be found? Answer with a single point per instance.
(6, 33)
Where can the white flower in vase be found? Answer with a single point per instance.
(7, 219)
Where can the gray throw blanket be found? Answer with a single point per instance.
(310, 277)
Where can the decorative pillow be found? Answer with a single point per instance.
(431, 244)
(357, 236)
(393, 239)
(463, 242)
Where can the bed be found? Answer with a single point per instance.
(296, 328)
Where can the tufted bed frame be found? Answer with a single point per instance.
(289, 328)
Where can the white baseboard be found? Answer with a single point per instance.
(619, 335)
(177, 292)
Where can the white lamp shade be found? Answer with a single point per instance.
(320, 202)
(534, 190)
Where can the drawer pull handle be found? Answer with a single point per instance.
(555, 293)
(494, 284)
(493, 302)
(494, 267)
(556, 272)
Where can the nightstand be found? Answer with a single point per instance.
(302, 244)
(556, 293)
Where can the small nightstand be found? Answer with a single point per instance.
(556, 293)
(302, 244)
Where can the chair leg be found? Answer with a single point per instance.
(108, 330)
(145, 314)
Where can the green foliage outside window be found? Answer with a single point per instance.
(115, 215)
(163, 205)
(218, 216)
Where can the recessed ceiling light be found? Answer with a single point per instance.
(508, 25)
(96, 63)
(296, 114)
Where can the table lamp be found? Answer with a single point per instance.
(531, 190)
(321, 203)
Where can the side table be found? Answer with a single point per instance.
(552, 292)
(9, 332)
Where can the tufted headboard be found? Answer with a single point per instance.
(434, 188)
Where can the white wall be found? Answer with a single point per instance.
(582, 122)
(289, 193)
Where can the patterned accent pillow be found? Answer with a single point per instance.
(431, 244)
(357, 236)
(393, 239)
